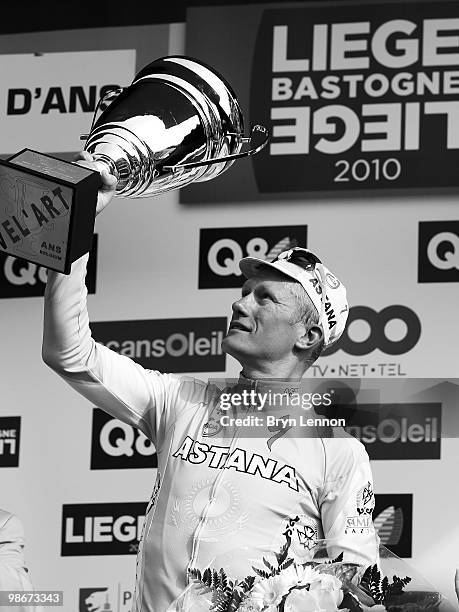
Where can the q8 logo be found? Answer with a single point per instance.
(221, 249)
(438, 256)
(117, 445)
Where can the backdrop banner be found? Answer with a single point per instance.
(355, 96)
(51, 96)
(167, 276)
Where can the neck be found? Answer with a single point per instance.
(273, 371)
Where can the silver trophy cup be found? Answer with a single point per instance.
(178, 122)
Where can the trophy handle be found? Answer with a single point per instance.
(219, 160)
(109, 97)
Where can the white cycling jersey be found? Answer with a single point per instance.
(218, 501)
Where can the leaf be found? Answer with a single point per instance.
(379, 588)
(223, 579)
(269, 566)
(339, 558)
(219, 602)
(234, 602)
(227, 600)
(286, 564)
(261, 573)
(282, 554)
(207, 577)
(247, 584)
(215, 579)
(372, 583)
(395, 589)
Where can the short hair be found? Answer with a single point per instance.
(307, 313)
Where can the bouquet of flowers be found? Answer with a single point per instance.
(317, 585)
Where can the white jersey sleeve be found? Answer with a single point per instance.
(113, 382)
(347, 502)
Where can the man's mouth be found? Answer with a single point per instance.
(238, 326)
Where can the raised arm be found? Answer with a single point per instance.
(113, 382)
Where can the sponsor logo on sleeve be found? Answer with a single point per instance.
(10, 433)
(117, 445)
(361, 521)
(221, 249)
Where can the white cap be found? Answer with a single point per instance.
(331, 303)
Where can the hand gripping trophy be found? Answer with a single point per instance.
(178, 122)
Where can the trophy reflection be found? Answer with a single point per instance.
(179, 122)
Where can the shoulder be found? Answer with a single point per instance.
(340, 441)
(343, 452)
(189, 390)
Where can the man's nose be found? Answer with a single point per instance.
(240, 307)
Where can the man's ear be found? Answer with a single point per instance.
(311, 338)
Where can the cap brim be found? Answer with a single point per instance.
(252, 266)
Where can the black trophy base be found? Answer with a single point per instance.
(47, 209)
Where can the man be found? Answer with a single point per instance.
(223, 499)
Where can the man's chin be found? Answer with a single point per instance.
(231, 346)
(226, 345)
